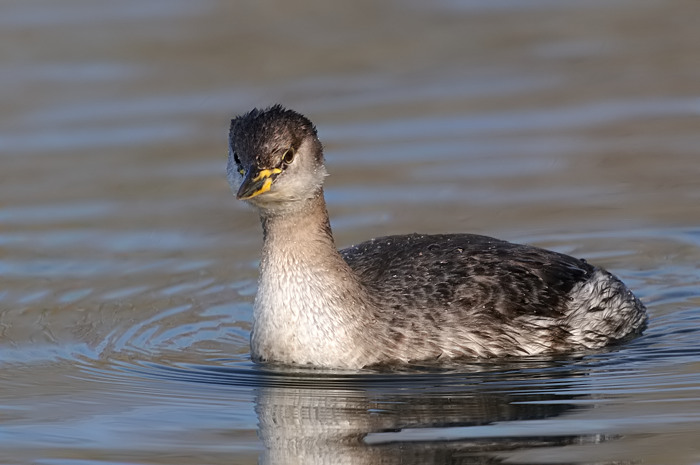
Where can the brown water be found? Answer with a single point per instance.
(127, 269)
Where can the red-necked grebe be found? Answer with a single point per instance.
(401, 299)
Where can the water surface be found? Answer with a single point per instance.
(128, 270)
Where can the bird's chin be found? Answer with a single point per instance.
(258, 201)
(268, 200)
(271, 203)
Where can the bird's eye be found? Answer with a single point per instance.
(288, 156)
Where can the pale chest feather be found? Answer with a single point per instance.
(301, 314)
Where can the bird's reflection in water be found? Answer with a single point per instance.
(413, 418)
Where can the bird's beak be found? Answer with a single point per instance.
(256, 182)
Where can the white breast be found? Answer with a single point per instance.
(299, 318)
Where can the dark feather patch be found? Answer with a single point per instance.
(476, 274)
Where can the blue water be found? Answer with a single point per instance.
(128, 270)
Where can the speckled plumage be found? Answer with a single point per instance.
(401, 299)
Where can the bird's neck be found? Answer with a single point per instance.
(309, 304)
(305, 223)
(299, 243)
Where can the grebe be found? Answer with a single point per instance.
(407, 298)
